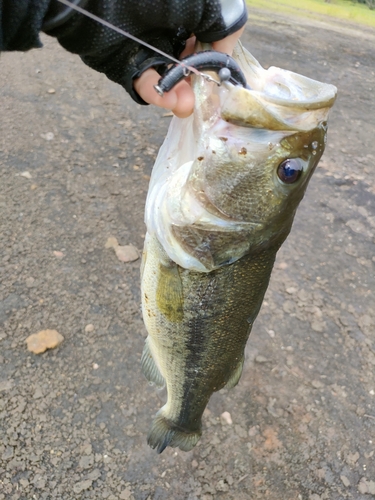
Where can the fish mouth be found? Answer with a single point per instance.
(276, 99)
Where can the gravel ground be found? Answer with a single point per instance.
(74, 420)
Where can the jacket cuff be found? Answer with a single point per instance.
(127, 64)
(233, 17)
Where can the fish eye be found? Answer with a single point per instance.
(289, 171)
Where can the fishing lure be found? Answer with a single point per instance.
(208, 60)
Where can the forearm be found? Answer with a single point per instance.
(164, 24)
(20, 23)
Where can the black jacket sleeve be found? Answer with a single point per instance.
(165, 24)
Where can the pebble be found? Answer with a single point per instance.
(89, 328)
(226, 418)
(282, 265)
(240, 431)
(352, 458)
(288, 306)
(49, 136)
(8, 453)
(125, 494)
(345, 480)
(82, 485)
(317, 384)
(261, 359)
(38, 393)
(29, 282)
(87, 449)
(39, 482)
(371, 487)
(317, 326)
(222, 486)
(25, 174)
(86, 462)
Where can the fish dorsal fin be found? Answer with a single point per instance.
(235, 375)
(149, 368)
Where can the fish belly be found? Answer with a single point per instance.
(198, 325)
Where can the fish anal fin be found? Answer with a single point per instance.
(164, 433)
(235, 375)
(149, 368)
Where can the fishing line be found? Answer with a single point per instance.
(86, 13)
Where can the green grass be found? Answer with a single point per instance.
(339, 9)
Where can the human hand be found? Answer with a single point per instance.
(181, 98)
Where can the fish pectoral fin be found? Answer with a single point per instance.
(164, 433)
(169, 293)
(149, 368)
(235, 375)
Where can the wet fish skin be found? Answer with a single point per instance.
(215, 221)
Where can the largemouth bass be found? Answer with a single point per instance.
(222, 198)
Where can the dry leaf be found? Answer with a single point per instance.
(111, 242)
(43, 340)
(126, 253)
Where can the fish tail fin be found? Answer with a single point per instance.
(165, 433)
(149, 368)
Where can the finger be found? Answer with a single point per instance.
(227, 44)
(185, 100)
(144, 85)
(189, 47)
(180, 99)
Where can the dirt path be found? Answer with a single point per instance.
(73, 421)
